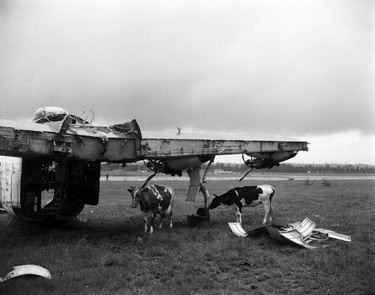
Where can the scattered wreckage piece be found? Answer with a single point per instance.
(237, 229)
(27, 269)
(298, 232)
(334, 235)
(301, 238)
(302, 233)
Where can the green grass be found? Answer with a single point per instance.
(104, 250)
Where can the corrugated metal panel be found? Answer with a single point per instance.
(10, 181)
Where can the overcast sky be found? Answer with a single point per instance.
(300, 69)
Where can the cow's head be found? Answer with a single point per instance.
(215, 202)
(134, 191)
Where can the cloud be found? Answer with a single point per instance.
(287, 68)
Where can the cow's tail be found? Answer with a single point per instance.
(173, 194)
(272, 194)
(271, 197)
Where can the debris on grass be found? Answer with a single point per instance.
(302, 233)
(27, 269)
(237, 229)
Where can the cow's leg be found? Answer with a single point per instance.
(239, 210)
(170, 219)
(270, 215)
(268, 211)
(238, 213)
(145, 222)
(152, 223)
(162, 215)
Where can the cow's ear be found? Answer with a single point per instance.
(130, 190)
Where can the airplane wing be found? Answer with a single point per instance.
(62, 154)
(123, 143)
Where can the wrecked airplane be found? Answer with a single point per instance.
(50, 168)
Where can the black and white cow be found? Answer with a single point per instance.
(153, 199)
(252, 195)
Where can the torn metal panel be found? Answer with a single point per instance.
(302, 233)
(117, 143)
(299, 232)
(28, 269)
(306, 227)
(237, 229)
(334, 235)
(293, 236)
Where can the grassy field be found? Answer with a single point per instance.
(104, 250)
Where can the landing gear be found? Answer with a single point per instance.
(196, 181)
(247, 163)
(196, 186)
(44, 190)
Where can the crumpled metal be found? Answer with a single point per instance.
(27, 269)
(304, 233)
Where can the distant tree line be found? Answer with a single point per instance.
(283, 168)
(302, 168)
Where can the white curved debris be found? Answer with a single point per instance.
(237, 229)
(302, 233)
(334, 235)
(27, 269)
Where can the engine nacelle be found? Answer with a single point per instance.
(272, 160)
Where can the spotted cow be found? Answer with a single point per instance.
(252, 195)
(153, 199)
